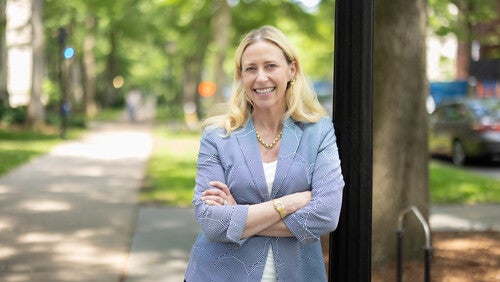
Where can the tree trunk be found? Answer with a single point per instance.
(463, 61)
(90, 68)
(221, 24)
(192, 74)
(400, 170)
(36, 110)
(464, 41)
(4, 94)
(111, 69)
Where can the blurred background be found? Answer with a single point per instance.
(90, 54)
(64, 64)
(84, 56)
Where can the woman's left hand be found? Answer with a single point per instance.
(218, 196)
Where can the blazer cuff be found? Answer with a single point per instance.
(237, 224)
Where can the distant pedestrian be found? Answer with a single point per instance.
(133, 101)
(269, 180)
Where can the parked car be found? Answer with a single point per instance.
(465, 129)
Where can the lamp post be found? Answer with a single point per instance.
(65, 53)
(62, 102)
(350, 244)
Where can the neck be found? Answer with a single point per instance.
(268, 121)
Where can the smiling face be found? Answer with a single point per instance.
(265, 74)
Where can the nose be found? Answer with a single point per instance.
(261, 76)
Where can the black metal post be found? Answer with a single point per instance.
(428, 258)
(62, 101)
(350, 244)
(427, 248)
(399, 273)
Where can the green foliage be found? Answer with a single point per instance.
(169, 113)
(52, 90)
(454, 185)
(457, 16)
(13, 115)
(73, 119)
(132, 39)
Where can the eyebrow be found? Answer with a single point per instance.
(265, 62)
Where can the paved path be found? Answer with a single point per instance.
(482, 217)
(67, 216)
(161, 245)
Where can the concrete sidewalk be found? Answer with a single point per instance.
(481, 217)
(68, 215)
(161, 245)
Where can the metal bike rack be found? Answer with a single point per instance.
(427, 248)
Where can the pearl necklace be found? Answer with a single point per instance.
(275, 141)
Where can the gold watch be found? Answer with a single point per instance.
(279, 207)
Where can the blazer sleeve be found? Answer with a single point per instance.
(218, 223)
(322, 213)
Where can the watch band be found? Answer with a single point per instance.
(279, 207)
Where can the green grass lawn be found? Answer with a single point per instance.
(172, 169)
(18, 146)
(454, 185)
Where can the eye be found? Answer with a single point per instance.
(250, 69)
(271, 66)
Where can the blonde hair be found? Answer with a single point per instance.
(301, 100)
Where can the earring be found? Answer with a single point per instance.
(291, 82)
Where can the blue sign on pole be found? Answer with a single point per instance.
(69, 52)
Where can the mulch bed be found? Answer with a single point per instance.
(457, 257)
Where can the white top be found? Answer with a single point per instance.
(269, 270)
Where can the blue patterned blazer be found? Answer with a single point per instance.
(308, 160)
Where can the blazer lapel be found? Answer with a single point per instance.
(250, 150)
(288, 148)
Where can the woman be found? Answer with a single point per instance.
(269, 181)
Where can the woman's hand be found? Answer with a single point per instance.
(218, 196)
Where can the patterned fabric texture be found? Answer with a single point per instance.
(308, 160)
